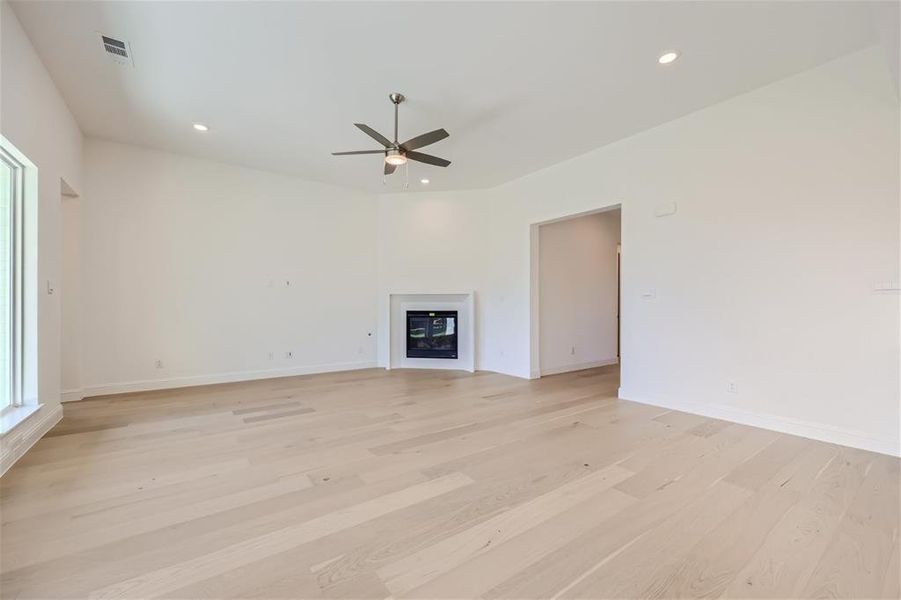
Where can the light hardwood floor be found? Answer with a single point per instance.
(434, 484)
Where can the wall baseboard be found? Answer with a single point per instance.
(806, 429)
(17, 442)
(237, 376)
(579, 367)
(71, 395)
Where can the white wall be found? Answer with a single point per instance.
(578, 292)
(434, 243)
(788, 212)
(71, 308)
(188, 262)
(34, 117)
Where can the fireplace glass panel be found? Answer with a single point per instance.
(431, 334)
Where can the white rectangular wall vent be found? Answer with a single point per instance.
(118, 50)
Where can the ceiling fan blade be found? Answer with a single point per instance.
(389, 168)
(425, 139)
(358, 152)
(427, 158)
(375, 135)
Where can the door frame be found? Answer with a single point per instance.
(535, 279)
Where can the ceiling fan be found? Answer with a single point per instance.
(396, 154)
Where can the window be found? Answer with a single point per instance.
(11, 211)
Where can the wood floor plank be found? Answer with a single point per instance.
(392, 537)
(752, 474)
(278, 415)
(84, 539)
(413, 571)
(856, 561)
(715, 560)
(437, 484)
(558, 570)
(265, 408)
(792, 549)
(891, 587)
(642, 569)
(159, 582)
(480, 573)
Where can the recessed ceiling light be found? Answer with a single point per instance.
(424, 181)
(201, 127)
(667, 58)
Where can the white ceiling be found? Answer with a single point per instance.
(518, 86)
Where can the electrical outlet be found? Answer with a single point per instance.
(289, 354)
(271, 355)
(159, 364)
(572, 350)
(731, 387)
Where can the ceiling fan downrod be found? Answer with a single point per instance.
(396, 98)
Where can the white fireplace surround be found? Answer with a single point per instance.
(398, 305)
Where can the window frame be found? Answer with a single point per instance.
(16, 285)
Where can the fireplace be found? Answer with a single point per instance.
(432, 334)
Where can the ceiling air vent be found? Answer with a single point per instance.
(118, 50)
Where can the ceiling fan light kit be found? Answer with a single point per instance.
(394, 157)
(396, 153)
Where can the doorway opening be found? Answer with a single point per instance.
(576, 292)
